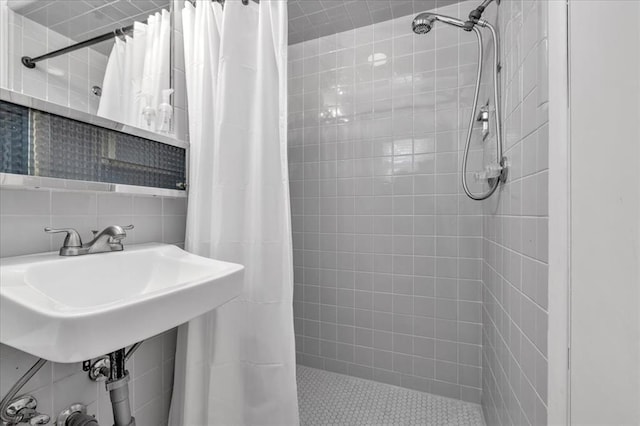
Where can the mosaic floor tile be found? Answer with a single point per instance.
(327, 398)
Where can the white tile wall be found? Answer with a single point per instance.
(387, 249)
(23, 214)
(65, 80)
(515, 281)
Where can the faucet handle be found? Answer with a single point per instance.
(71, 240)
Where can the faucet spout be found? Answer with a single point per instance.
(109, 239)
(112, 231)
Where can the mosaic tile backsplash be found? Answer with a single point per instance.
(14, 125)
(42, 144)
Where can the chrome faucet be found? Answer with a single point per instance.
(109, 239)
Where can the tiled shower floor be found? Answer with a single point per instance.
(327, 398)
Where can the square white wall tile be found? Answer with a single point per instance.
(515, 281)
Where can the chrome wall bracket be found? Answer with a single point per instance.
(493, 172)
(503, 173)
(100, 369)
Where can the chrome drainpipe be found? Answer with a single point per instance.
(111, 370)
(118, 387)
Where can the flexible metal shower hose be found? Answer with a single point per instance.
(501, 160)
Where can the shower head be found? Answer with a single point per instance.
(423, 23)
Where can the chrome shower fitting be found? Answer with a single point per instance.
(476, 14)
(422, 24)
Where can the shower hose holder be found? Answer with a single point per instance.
(503, 174)
(493, 172)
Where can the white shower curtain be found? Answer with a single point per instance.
(137, 72)
(4, 44)
(236, 365)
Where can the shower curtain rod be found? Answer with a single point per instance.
(30, 62)
(245, 2)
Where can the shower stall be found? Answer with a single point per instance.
(418, 179)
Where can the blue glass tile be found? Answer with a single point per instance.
(14, 138)
(53, 146)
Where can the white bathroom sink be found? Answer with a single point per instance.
(70, 309)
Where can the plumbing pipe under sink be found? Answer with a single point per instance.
(16, 410)
(76, 415)
(79, 419)
(118, 387)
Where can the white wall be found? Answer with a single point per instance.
(605, 211)
(559, 244)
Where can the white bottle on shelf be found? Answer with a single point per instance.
(165, 112)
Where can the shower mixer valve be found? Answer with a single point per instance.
(483, 117)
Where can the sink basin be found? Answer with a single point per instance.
(70, 309)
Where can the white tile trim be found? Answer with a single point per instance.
(9, 180)
(559, 217)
